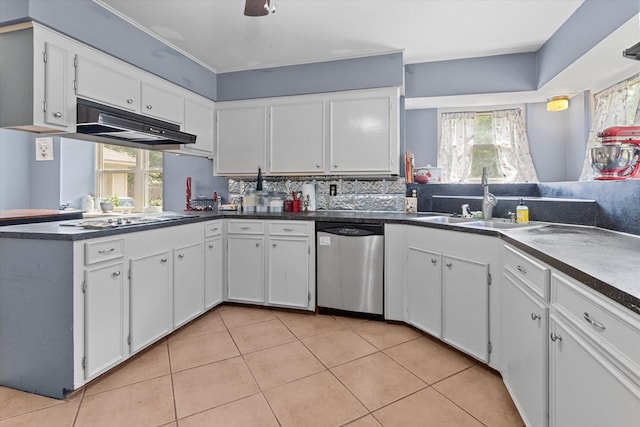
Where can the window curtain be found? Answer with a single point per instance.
(510, 133)
(610, 110)
(454, 155)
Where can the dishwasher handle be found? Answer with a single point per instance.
(351, 230)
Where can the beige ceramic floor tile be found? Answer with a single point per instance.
(235, 316)
(368, 421)
(319, 400)
(15, 402)
(261, 335)
(282, 364)
(337, 347)
(212, 385)
(53, 416)
(483, 394)
(149, 403)
(425, 408)
(384, 335)
(376, 380)
(151, 363)
(429, 359)
(206, 324)
(200, 350)
(306, 325)
(250, 411)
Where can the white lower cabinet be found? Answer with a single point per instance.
(213, 271)
(424, 290)
(104, 319)
(245, 268)
(188, 282)
(150, 299)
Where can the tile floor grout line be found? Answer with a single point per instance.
(173, 389)
(75, 417)
(456, 403)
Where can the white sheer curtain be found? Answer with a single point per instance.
(454, 155)
(510, 133)
(510, 137)
(610, 110)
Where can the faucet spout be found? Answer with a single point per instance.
(488, 199)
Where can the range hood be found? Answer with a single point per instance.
(633, 52)
(100, 123)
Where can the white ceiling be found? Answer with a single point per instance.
(219, 36)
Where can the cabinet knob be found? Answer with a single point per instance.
(449, 265)
(115, 274)
(57, 114)
(317, 166)
(555, 337)
(210, 246)
(129, 101)
(434, 261)
(535, 316)
(149, 106)
(257, 245)
(521, 269)
(273, 245)
(335, 166)
(593, 323)
(180, 256)
(163, 260)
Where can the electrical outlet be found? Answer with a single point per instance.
(333, 189)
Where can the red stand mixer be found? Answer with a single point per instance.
(619, 155)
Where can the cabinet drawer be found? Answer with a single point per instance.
(533, 273)
(245, 227)
(103, 251)
(604, 321)
(286, 228)
(213, 228)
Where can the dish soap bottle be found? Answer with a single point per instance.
(522, 213)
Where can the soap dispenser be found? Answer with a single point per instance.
(522, 213)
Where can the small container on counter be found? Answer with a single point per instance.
(249, 201)
(288, 205)
(262, 202)
(276, 205)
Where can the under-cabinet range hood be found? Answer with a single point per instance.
(101, 123)
(633, 52)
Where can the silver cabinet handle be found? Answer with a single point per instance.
(434, 261)
(149, 107)
(130, 101)
(213, 229)
(535, 316)
(287, 229)
(115, 274)
(57, 114)
(163, 260)
(449, 265)
(245, 228)
(593, 323)
(555, 337)
(106, 251)
(210, 246)
(180, 256)
(521, 269)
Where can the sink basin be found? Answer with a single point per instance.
(445, 219)
(497, 223)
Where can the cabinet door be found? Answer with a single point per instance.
(150, 299)
(213, 273)
(245, 268)
(424, 290)
(297, 138)
(104, 314)
(241, 140)
(55, 86)
(188, 283)
(198, 120)
(585, 388)
(524, 350)
(361, 135)
(465, 299)
(161, 103)
(289, 272)
(101, 81)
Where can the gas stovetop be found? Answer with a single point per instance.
(127, 221)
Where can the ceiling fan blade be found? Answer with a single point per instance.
(255, 8)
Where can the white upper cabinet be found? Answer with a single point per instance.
(198, 120)
(363, 137)
(297, 138)
(241, 139)
(105, 80)
(161, 102)
(56, 99)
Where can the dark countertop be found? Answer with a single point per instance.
(574, 250)
(24, 216)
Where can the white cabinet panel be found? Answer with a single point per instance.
(213, 272)
(104, 316)
(199, 121)
(424, 290)
(103, 80)
(55, 85)
(289, 272)
(241, 140)
(188, 283)
(465, 300)
(161, 103)
(245, 268)
(150, 301)
(297, 138)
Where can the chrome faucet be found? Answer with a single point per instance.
(488, 199)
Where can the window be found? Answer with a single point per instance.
(496, 140)
(132, 174)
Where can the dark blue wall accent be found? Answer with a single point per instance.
(591, 23)
(331, 76)
(77, 171)
(491, 74)
(14, 168)
(94, 25)
(548, 134)
(422, 135)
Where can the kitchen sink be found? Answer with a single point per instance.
(497, 223)
(445, 219)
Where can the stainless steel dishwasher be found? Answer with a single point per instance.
(350, 267)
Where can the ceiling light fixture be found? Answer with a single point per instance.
(259, 7)
(558, 103)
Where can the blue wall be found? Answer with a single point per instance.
(422, 136)
(14, 169)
